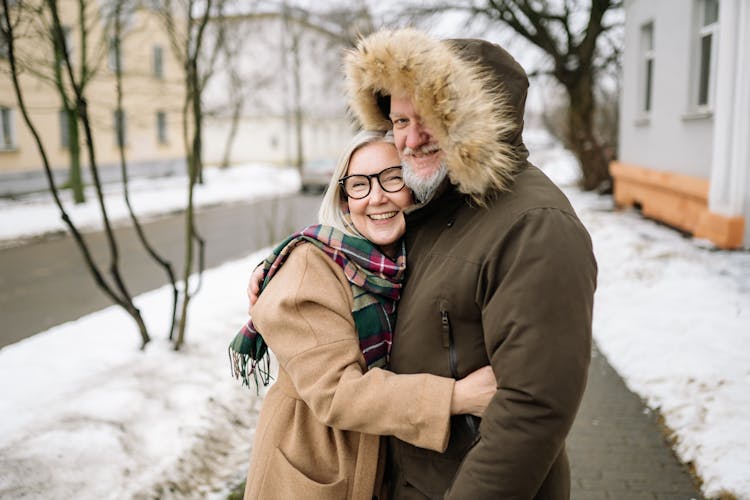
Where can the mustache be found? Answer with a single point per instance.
(426, 149)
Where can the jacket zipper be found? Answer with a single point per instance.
(448, 338)
(445, 324)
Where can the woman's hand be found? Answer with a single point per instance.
(472, 393)
(253, 287)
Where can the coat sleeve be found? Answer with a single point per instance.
(304, 315)
(537, 297)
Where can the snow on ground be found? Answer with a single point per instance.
(87, 415)
(105, 420)
(672, 316)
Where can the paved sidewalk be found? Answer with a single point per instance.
(617, 448)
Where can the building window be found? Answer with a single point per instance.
(4, 42)
(647, 68)
(68, 37)
(121, 128)
(115, 55)
(706, 53)
(4, 51)
(7, 131)
(161, 127)
(158, 62)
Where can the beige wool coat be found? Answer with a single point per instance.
(317, 434)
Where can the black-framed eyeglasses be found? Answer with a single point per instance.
(358, 186)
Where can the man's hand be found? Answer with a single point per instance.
(472, 393)
(253, 287)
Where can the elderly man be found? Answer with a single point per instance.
(500, 269)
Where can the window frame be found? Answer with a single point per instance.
(162, 135)
(7, 129)
(702, 84)
(4, 47)
(157, 55)
(114, 55)
(64, 130)
(646, 69)
(68, 39)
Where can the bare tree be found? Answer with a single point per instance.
(51, 70)
(199, 34)
(574, 35)
(292, 35)
(237, 103)
(126, 8)
(75, 180)
(307, 35)
(118, 291)
(340, 27)
(186, 23)
(241, 82)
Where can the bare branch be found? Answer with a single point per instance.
(587, 47)
(82, 109)
(123, 299)
(161, 261)
(552, 27)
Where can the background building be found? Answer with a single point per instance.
(684, 154)
(282, 81)
(150, 118)
(274, 94)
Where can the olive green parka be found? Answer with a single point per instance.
(499, 270)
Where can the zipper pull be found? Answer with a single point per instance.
(446, 326)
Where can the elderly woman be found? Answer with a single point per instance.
(326, 310)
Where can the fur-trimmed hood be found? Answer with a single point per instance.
(470, 93)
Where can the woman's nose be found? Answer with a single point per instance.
(377, 195)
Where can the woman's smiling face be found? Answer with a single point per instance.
(378, 216)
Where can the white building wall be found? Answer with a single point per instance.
(269, 140)
(267, 131)
(673, 137)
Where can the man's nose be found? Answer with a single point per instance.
(416, 136)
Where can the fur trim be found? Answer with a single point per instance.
(455, 99)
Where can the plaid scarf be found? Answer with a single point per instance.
(375, 280)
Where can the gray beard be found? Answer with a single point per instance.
(422, 187)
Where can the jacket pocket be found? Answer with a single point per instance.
(464, 434)
(284, 481)
(447, 336)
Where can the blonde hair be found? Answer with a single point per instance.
(330, 212)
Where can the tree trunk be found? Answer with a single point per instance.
(197, 132)
(124, 299)
(161, 261)
(582, 139)
(194, 169)
(75, 180)
(299, 159)
(233, 128)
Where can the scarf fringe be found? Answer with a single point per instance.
(375, 280)
(246, 368)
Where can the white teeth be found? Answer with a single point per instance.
(426, 150)
(384, 216)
